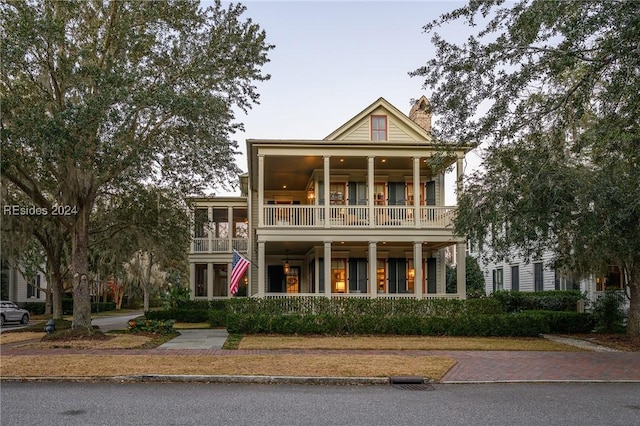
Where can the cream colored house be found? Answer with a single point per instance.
(359, 213)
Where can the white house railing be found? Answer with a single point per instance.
(218, 245)
(358, 216)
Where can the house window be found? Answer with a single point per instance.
(201, 280)
(338, 275)
(381, 275)
(380, 193)
(378, 128)
(337, 193)
(498, 279)
(538, 278)
(201, 220)
(515, 278)
(220, 280)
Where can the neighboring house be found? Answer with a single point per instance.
(15, 288)
(359, 213)
(518, 275)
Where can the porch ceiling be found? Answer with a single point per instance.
(295, 172)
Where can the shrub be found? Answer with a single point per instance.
(554, 300)
(564, 322)
(608, 312)
(67, 306)
(179, 315)
(151, 326)
(217, 318)
(35, 308)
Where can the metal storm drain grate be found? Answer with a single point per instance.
(414, 387)
(410, 383)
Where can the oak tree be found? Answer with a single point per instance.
(112, 93)
(550, 88)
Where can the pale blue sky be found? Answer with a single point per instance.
(333, 58)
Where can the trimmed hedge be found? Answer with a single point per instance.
(475, 317)
(357, 307)
(554, 300)
(481, 325)
(179, 315)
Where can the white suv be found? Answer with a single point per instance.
(9, 311)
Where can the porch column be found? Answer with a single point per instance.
(418, 279)
(461, 268)
(370, 193)
(261, 270)
(373, 270)
(416, 192)
(210, 232)
(460, 175)
(231, 229)
(192, 280)
(327, 268)
(327, 181)
(260, 190)
(210, 280)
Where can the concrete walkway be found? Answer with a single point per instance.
(197, 339)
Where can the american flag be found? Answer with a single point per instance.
(239, 267)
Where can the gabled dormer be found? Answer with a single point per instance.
(381, 122)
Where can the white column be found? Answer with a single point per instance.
(461, 268)
(260, 190)
(373, 269)
(231, 228)
(459, 175)
(327, 268)
(327, 181)
(192, 280)
(417, 269)
(210, 280)
(370, 192)
(210, 232)
(416, 192)
(261, 270)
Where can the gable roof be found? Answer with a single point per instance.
(381, 103)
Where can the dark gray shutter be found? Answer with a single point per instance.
(431, 275)
(431, 193)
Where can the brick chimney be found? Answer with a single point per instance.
(421, 113)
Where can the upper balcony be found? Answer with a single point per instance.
(343, 216)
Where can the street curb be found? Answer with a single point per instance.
(172, 378)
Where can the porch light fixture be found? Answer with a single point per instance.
(286, 267)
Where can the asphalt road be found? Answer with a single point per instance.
(47, 403)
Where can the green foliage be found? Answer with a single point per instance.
(608, 312)
(99, 96)
(473, 317)
(179, 315)
(67, 306)
(151, 326)
(550, 87)
(563, 321)
(35, 308)
(464, 325)
(553, 300)
(176, 296)
(473, 277)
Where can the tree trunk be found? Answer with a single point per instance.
(56, 296)
(145, 293)
(48, 309)
(80, 270)
(633, 324)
